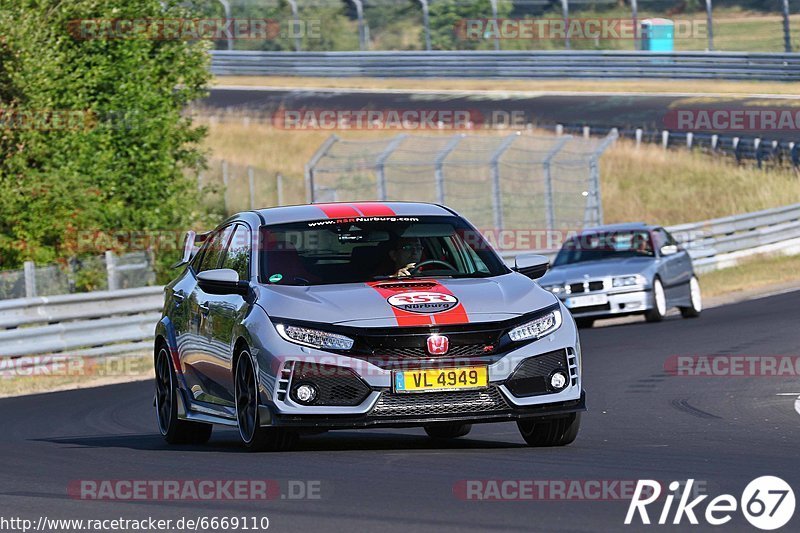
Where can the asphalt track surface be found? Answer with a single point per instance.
(653, 112)
(641, 423)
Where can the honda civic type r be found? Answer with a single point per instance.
(307, 318)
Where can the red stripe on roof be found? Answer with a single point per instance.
(374, 209)
(338, 210)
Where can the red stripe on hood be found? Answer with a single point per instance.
(404, 318)
(456, 315)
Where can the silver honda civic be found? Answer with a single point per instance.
(302, 319)
(624, 269)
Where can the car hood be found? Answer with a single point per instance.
(597, 269)
(366, 305)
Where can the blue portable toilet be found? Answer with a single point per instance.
(658, 35)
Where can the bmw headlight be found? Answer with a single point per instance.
(628, 281)
(555, 289)
(314, 337)
(537, 328)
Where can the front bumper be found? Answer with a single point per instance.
(271, 417)
(619, 303)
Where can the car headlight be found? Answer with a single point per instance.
(555, 289)
(537, 328)
(627, 281)
(314, 337)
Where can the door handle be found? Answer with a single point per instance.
(178, 297)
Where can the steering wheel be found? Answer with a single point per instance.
(416, 269)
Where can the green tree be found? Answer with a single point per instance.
(447, 16)
(123, 159)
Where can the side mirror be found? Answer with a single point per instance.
(222, 281)
(532, 265)
(669, 249)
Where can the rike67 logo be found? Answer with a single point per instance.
(767, 503)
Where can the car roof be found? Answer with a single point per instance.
(625, 226)
(336, 210)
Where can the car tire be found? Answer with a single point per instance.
(550, 432)
(174, 430)
(447, 431)
(584, 323)
(254, 437)
(695, 300)
(659, 309)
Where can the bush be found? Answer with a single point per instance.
(123, 160)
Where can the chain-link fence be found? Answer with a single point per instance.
(93, 273)
(498, 182)
(338, 25)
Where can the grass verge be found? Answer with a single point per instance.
(752, 274)
(572, 85)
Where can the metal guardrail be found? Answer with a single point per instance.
(106, 322)
(511, 64)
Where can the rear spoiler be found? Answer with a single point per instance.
(191, 244)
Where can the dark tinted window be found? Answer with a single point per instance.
(606, 245)
(237, 256)
(374, 248)
(214, 249)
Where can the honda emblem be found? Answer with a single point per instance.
(438, 344)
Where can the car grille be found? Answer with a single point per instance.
(440, 403)
(590, 309)
(531, 376)
(336, 385)
(467, 350)
(577, 288)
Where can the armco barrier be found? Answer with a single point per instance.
(105, 322)
(511, 64)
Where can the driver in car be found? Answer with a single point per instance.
(405, 254)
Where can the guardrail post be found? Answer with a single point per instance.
(559, 129)
(714, 141)
(710, 28)
(30, 278)
(689, 139)
(638, 137)
(565, 11)
(111, 270)
(665, 139)
(635, 16)
(587, 130)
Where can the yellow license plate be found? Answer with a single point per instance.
(441, 379)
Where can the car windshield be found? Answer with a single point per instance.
(374, 248)
(606, 245)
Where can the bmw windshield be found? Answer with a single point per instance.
(374, 248)
(607, 245)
